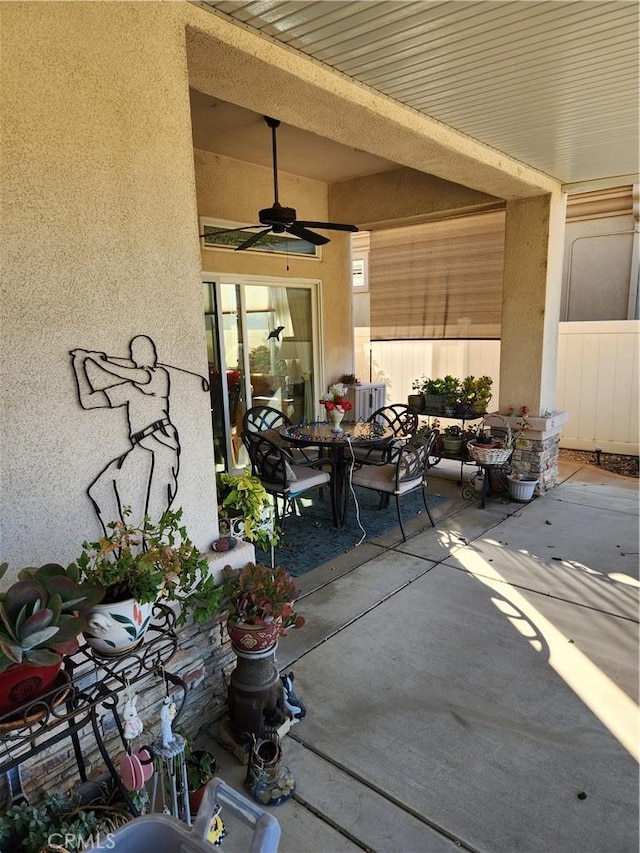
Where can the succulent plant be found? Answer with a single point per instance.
(41, 614)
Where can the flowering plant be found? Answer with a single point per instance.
(335, 398)
(259, 595)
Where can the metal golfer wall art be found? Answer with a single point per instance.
(145, 477)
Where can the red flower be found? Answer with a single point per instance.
(339, 403)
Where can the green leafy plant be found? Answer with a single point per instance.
(42, 613)
(152, 562)
(244, 495)
(453, 431)
(447, 387)
(259, 595)
(476, 393)
(57, 821)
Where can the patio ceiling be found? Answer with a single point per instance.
(553, 84)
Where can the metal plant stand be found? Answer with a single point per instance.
(89, 683)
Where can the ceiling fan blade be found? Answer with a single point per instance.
(298, 231)
(253, 239)
(331, 226)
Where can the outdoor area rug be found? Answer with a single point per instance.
(310, 538)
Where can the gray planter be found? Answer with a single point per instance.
(416, 402)
(434, 403)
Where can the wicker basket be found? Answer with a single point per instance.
(488, 455)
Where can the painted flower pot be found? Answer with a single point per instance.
(22, 683)
(252, 639)
(522, 489)
(113, 629)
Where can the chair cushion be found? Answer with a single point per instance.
(307, 478)
(289, 472)
(382, 478)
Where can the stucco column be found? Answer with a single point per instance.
(534, 246)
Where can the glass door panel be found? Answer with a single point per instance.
(267, 330)
(279, 341)
(226, 359)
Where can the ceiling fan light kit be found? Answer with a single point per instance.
(279, 219)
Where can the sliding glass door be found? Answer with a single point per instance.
(261, 336)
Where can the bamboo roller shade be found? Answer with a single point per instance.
(438, 279)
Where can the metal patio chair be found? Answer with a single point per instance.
(404, 475)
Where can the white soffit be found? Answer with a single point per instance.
(552, 83)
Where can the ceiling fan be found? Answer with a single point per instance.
(279, 219)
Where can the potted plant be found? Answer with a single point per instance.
(245, 507)
(201, 767)
(437, 393)
(450, 390)
(452, 440)
(41, 615)
(417, 400)
(64, 818)
(138, 566)
(336, 404)
(521, 486)
(259, 601)
(474, 396)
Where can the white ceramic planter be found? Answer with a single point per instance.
(334, 417)
(522, 490)
(116, 628)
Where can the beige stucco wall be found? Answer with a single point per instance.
(231, 190)
(99, 229)
(402, 196)
(99, 243)
(232, 63)
(534, 245)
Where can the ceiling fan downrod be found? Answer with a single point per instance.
(274, 124)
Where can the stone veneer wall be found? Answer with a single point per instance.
(204, 660)
(538, 446)
(538, 457)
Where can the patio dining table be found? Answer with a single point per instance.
(338, 447)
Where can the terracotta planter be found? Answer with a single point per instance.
(252, 639)
(116, 628)
(22, 683)
(195, 795)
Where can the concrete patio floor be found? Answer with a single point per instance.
(473, 688)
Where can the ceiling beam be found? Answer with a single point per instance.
(229, 62)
